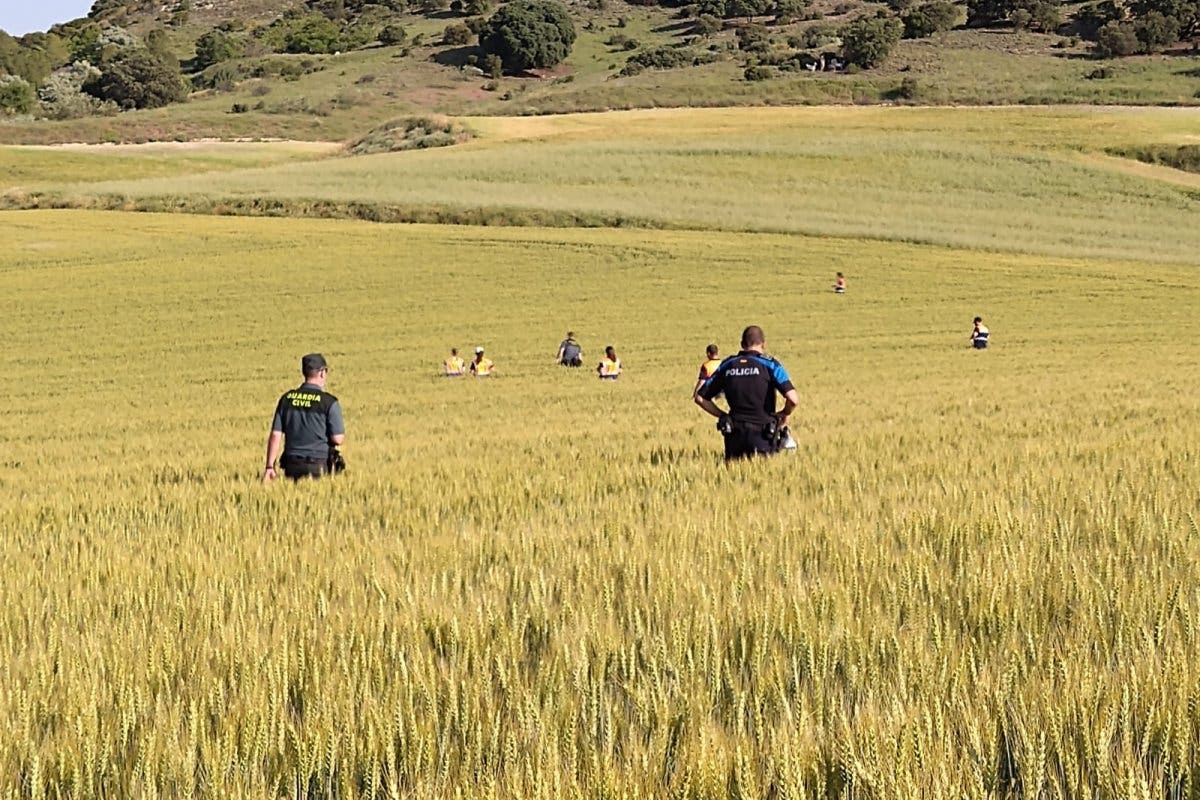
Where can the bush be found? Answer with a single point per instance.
(1021, 18)
(1092, 18)
(868, 42)
(748, 8)
(393, 35)
(221, 78)
(214, 47)
(814, 37)
(62, 95)
(529, 34)
(313, 34)
(930, 18)
(457, 34)
(137, 79)
(753, 37)
(477, 8)
(707, 25)
(1046, 15)
(758, 73)
(415, 133)
(1116, 39)
(16, 95)
(664, 57)
(493, 67)
(909, 89)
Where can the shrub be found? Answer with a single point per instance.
(62, 95)
(392, 35)
(526, 34)
(753, 37)
(1116, 39)
(314, 34)
(1021, 18)
(457, 34)
(868, 42)
(909, 89)
(789, 10)
(493, 67)
(16, 95)
(707, 25)
(239, 108)
(665, 57)
(814, 37)
(214, 47)
(930, 18)
(412, 133)
(477, 8)
(137, 79)
(221, 78)
(1093, 17)
(1046, 16)
(758, 73)
(748, 8)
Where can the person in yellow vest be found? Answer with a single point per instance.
(454, 365)
(610, 368)
(711, 362)
(482, 367)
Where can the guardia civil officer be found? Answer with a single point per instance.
(307, 427)
(750, 381)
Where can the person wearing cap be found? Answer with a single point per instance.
(482, 366)
(980, 335)
(454, 366)
(711, 362)
(570, 353)
(750, 381)
(609, 368)
(307, 426)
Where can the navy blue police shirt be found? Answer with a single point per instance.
(749, 381)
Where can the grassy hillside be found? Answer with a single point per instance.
(336, 97)
(1035, 181)
(976, 574)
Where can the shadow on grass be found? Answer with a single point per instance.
(457, 56)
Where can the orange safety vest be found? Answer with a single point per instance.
(708, 368)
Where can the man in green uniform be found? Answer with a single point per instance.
(307, 427)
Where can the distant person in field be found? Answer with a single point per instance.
(454, 366)
(750, 380)
(482, 366)
(570, 353)
(839, 285)
(711, 362)
(609, 368)
(307, 427)
(979, 335)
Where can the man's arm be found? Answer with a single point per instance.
(274, 445)
(708, 405)
(336, 426)
(791, 399)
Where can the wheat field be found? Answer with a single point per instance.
(976, 578)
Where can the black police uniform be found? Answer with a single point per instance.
(307, 417)
(750, 381)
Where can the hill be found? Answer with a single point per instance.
(321, 70)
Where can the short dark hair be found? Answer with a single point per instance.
(711, 351)
(979, 319)
(753, 336)
(610, 349)
(453, 351)
(312, 364)
(570, 334)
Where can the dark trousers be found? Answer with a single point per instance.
(747, 442)
(572, 362)
(296, 467)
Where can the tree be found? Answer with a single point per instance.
(16, 95)
(747, 8)
(137, 79)
(1185, 12)
(312, 33)
(982, 13)
(789, 10)
(1155, 32)
(477, 8)
(1116, 39)
(214, 47)
(867, 42)
(930, 18)
(527, 34)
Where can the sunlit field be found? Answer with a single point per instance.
(1010, 180)
(975, 578)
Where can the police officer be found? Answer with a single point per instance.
(750, 381)
(308, 424)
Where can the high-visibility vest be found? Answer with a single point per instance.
(455, 365)
(708, 368)
(482, 367)
(610, 369)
